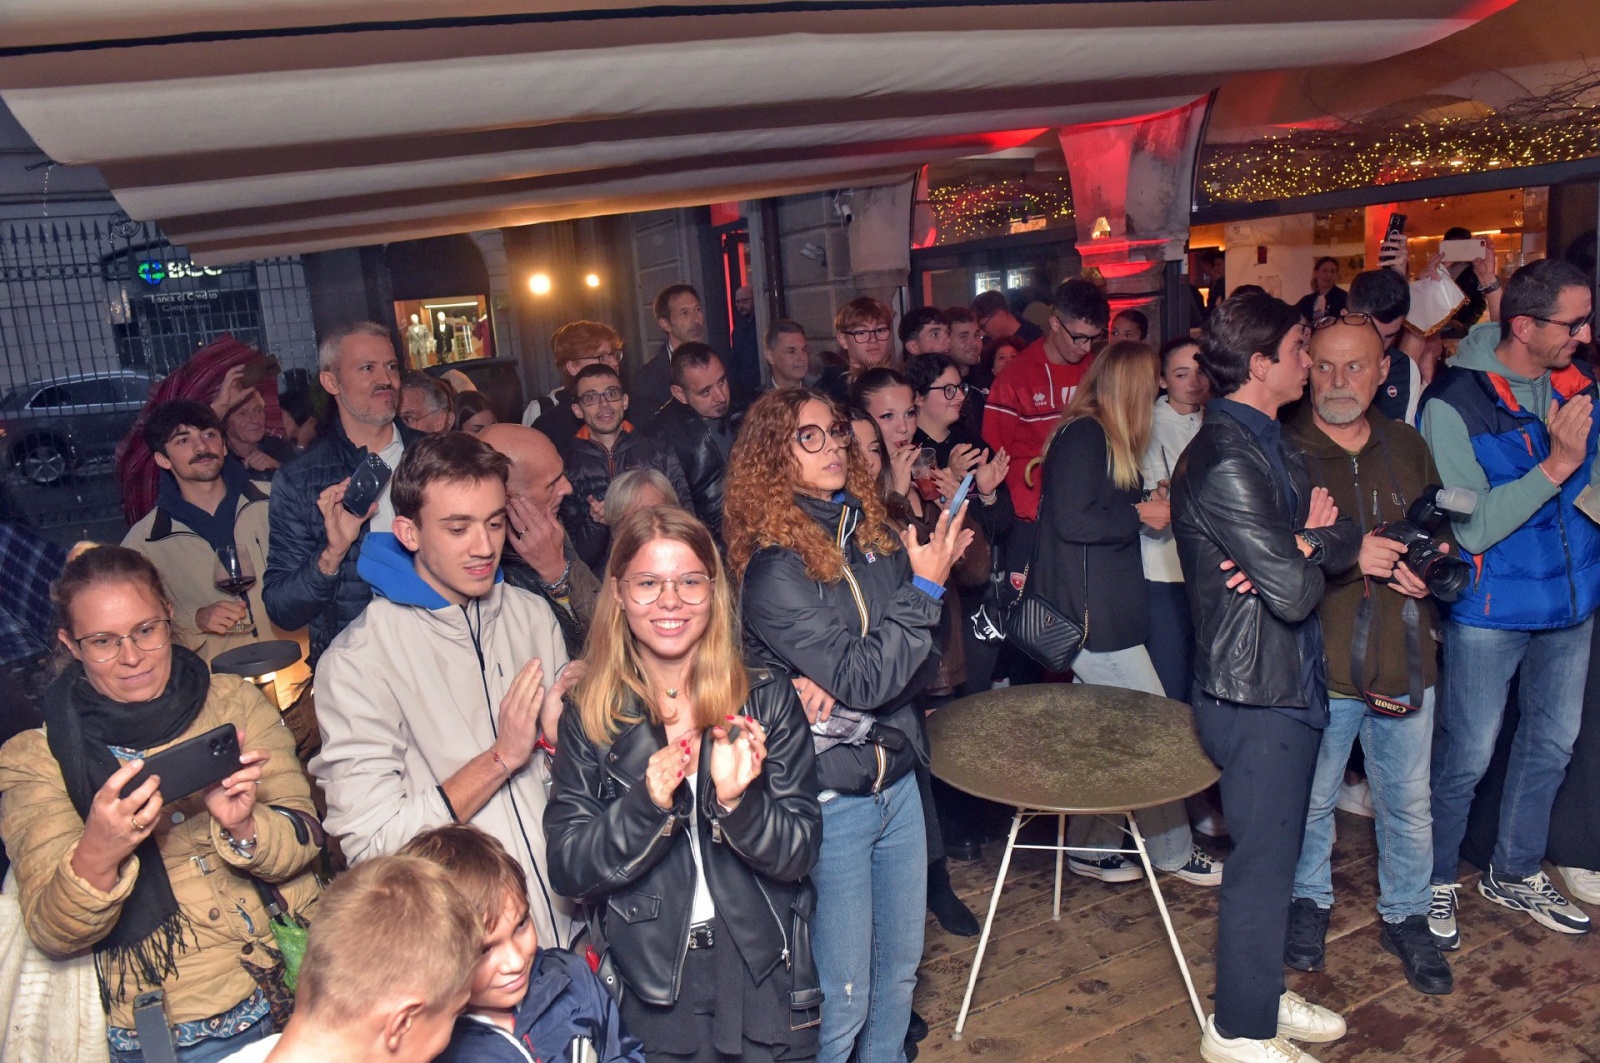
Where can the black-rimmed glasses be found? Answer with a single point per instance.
(1082, 340)
(104, 646)
(813, 437)
(692, 588)
(595, 398)
(862, 335)
(949, 391)
(1572, 327)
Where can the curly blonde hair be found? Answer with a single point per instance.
(759, 508)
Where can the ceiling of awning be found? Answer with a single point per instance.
(248, 128)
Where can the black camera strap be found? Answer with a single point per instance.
(1359, 637)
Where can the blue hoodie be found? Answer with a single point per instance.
(391, 570)
(565, 999)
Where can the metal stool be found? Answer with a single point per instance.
(1060, 749)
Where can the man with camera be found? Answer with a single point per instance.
(316, 530)
(1378, 626)
(1511, 420)
(1255, 540)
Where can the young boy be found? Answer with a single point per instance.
(527, 1004)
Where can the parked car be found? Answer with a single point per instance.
(50, 428)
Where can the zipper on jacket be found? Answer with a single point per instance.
(664, 832)
(782, 930)
(1566, 552)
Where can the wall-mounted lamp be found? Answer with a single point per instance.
(592, 280)
(1102, 228)
(539, 284)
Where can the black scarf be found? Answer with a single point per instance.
(81, 724)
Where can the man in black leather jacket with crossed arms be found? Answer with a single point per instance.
(1255, 540)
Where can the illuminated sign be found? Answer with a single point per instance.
(153, 273)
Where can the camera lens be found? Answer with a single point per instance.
(1445, 576)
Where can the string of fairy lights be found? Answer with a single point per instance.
(970, 210)
(1559, 125)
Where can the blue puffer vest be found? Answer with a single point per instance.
(1546, 574)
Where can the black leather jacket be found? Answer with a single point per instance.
(609, 844)
(1226, 505)
(689, 436)
(294, 590)
(590, 470)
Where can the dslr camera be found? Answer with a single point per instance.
(1446, 576)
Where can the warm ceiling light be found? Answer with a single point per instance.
(539, 283)
(592, 280)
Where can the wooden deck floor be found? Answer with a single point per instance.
(1102, 984)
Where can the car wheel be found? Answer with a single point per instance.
(44, 462)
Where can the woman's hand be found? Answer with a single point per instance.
(900, 463)
(817, 703)
(947, 482)
(736, 762)
(1154, 514)
(232, 801)
(550, 711)
(934, 559)
(988, 477)
(116, 826)
(664, 772)
(964, 458)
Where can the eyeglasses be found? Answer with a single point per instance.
(595, 398)
(1081, 341)
(1344, 319)
(692, 588)
(1572, 327)
(148, 637)
(608, 357)
(862, 335)
(813, 437)
(949, 391)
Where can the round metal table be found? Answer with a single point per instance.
(1059, 749)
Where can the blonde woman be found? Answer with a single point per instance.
(685, 807)
(1090, 514)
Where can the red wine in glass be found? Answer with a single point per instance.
(234, 575)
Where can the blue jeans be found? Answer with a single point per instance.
(1167, 838)
(1478, 665)
(210, 1050)
(1397, 770)
(872, 883)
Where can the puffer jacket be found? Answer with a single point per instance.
(1226, 505)
(688, 435)
(611, 844)
(408, 694)
(590, 470)
(296, 592)
(870, 640)
(64, 914)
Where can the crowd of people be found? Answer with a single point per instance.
(617, 716)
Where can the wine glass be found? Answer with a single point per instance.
(234, 575)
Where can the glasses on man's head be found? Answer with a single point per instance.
(862, 335)
(103, 646)
(1081, 340)
(1572, 327)
(813, 437)
(692, 588)
(949, 391)
(595, 398)
(1343, 319)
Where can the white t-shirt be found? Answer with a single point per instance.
(383, 520)
(703, 907)
(255, 1051)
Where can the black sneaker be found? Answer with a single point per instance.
(1305, 948)
(1537, 896)
(918, 1030)
(1426, 968)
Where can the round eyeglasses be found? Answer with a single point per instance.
(692, 588)
(813, 437)
(949, 391)
(148, 637)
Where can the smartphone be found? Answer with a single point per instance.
(191, 765)
(257, 371)
(1463, 250)
(961, 495)
(1397, 227)
(367, 480)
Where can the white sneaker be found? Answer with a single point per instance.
(1212, 825)
(1584, 884)
(1356, 799)
(1214, 1048)
(1304, 1021)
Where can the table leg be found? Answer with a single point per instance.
(1061, 856)
(1166, 919)
(988, 924)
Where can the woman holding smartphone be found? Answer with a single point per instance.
(159, 886)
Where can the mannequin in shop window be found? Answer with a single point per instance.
(420, 343)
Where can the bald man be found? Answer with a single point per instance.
(538, 556)
(1378, 626)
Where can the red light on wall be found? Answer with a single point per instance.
(725, 213)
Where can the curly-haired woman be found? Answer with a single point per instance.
(834, 595)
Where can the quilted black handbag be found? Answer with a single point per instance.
(1035, 626)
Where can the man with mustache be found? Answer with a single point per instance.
(311, 576)
(1379, 629)
(206, 501)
